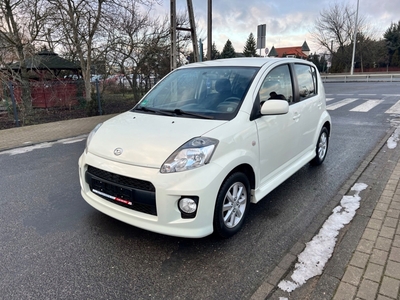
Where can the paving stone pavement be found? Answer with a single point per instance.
(366, 260)
(374, 269)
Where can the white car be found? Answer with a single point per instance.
(205, 142)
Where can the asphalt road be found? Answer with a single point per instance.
(55, 246)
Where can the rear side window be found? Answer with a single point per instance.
(307, 80)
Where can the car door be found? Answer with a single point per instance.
(278, 135)
(309, 105)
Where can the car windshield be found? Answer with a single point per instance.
(205, 92)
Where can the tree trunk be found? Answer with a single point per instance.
(25, 86)
(88, 85)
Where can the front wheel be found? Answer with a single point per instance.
(322, 147)
(232, 204)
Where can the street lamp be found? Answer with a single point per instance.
(354, 41)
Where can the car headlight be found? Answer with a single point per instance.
(90, 136)
(195, 153)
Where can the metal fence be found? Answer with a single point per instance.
(60, 100)
(388, 77)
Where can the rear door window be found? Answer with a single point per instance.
(307, 80)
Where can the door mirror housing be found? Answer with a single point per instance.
(275, 107)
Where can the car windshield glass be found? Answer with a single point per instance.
(205, 92)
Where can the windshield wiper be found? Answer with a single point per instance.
(178, 111)
(157, 111)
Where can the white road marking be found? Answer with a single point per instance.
(367, 106)
(26, 149)
(73, 140)
(341, 103)
(395, 109)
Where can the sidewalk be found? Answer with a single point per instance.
(366, 260)
(374, 269)
(30, 135)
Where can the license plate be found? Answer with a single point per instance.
(112, 192)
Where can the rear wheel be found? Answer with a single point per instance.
(322, 147)
(232, 204)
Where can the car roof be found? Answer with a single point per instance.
(243, 62)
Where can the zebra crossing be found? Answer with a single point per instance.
(365, 103)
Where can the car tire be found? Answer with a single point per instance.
(232, 205)
(322, 147)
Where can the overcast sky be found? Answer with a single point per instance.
(288, 21)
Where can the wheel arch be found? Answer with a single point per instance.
(328, 125)
(324, 122)
(220, 227)
(247, 170)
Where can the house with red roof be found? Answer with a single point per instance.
(296, 51)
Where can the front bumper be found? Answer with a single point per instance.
(203, 183)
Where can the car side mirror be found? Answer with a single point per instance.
(275, 107)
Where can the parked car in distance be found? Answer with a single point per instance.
(95, 78)
(129, 80)
(209, 139)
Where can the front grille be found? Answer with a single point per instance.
(122, 180)
(121, 190)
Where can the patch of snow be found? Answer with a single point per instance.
(394, 138)
(318, 251)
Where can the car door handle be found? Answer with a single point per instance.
(296, 116)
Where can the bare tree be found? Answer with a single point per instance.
(78, 22)
(334, 30)
(21, 22)
(139, 46)
(334, 27)
(83, 26)
(126, 40)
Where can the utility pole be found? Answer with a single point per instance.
(193, 31)
(209, 29)
(173, 58)
(174, 28)
(354, 41)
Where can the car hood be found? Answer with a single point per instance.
(146, 139)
